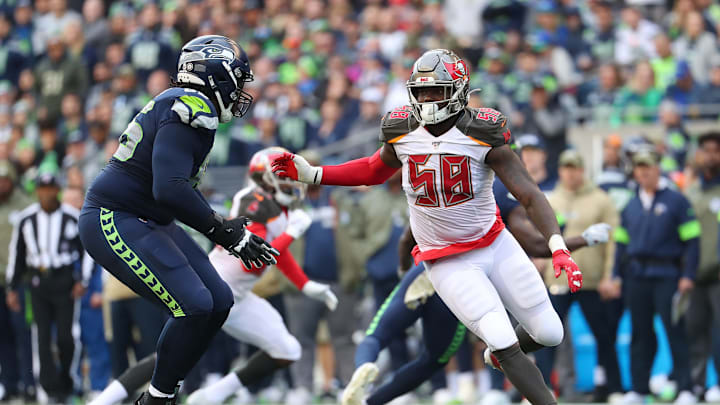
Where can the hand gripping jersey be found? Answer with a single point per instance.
(447, 183)
(126, 183)
(269, 220)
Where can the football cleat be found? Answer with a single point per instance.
(686, 398)
(491, 360)
(713, 394)
(356, 389)
(147, 399)
(495, 397)
(466, 388)
(442, 396)
(200, 397)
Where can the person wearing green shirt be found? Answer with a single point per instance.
(637, 102)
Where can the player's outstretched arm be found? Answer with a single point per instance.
(513, 174)
(535, 244)
(367, 171)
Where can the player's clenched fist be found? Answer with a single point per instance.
(562, 261)
(295, 167)
(250, 248)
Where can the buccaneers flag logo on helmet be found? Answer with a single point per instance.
(457, 70)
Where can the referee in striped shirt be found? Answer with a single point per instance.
(45, 251)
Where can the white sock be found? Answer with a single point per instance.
(223, 388)
(112, 394)
(159, 394)
(484, 382)
(452, 381)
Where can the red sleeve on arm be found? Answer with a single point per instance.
(291, 269)
(286, 263)
(282, 242)
(367, 171)
(258, 229)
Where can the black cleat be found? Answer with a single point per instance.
(147, 399)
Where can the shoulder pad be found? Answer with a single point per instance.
(259, 206)
(194, 109)
(397, 123)
(485, 125)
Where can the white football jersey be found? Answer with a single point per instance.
(258, 206)
(446, 180)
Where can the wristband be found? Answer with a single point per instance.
(212, 223)
(318, 175)
(556, 242)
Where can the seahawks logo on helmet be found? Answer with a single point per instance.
(216, 52)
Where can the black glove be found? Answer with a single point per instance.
(250, 248)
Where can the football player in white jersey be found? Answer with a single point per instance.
(269, 203)
(449, 154)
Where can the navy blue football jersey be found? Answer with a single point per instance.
(145, 163)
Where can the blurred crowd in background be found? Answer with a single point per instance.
(73, 73)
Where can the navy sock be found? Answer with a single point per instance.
(464, 356)
(367, 351)
(182, 342)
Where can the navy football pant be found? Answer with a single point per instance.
(397, 347)
(442, 335)
(9, 375)
(650, 296)
(596, 314)
(163, 264)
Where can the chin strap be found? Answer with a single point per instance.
(225, 112)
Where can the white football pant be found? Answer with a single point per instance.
(480, 284)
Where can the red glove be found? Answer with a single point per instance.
(283, 166)
(562, 261)
(295, 167)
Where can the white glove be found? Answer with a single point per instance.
(320, 292)
(298, 222)
(597, 233)
(295, 167)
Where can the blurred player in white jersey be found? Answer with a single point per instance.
(449, 154)
(269, 203)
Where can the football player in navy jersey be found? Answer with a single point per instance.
(128, 224)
